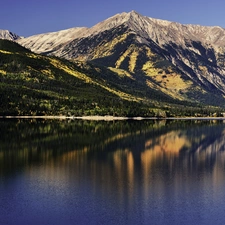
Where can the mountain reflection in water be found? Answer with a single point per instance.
(129, 171)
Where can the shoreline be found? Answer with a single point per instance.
(110, 118)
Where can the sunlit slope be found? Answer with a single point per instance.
(32, 84)
(147, 65)
(175, 61)
(138, 83)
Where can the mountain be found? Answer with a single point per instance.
(32, 84)
(160, 32)
(185, 62)
(5, 34)
(128, 65)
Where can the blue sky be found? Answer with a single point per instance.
(29, 17)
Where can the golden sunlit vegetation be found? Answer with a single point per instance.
(132, 54)
(121, 72)
(140, 84)
(5, 52)
(106, 49)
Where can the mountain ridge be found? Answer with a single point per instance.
(124, 17)
(155, 61)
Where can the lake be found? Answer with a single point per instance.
(112, 172)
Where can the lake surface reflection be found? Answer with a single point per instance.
(121, 172)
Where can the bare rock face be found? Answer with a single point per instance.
(5, 34)
(46, 43)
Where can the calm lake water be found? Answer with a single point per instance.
(121, 172)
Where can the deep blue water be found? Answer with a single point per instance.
(121, 172)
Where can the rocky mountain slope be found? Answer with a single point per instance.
(128, 64)
(5, 34)
(182, 61)
(46, 43)
(33, 84)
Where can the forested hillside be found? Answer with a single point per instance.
(32, 84)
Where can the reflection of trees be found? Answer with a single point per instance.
(135, 158)
(24, 142)
(145, 162)
(138, 144)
